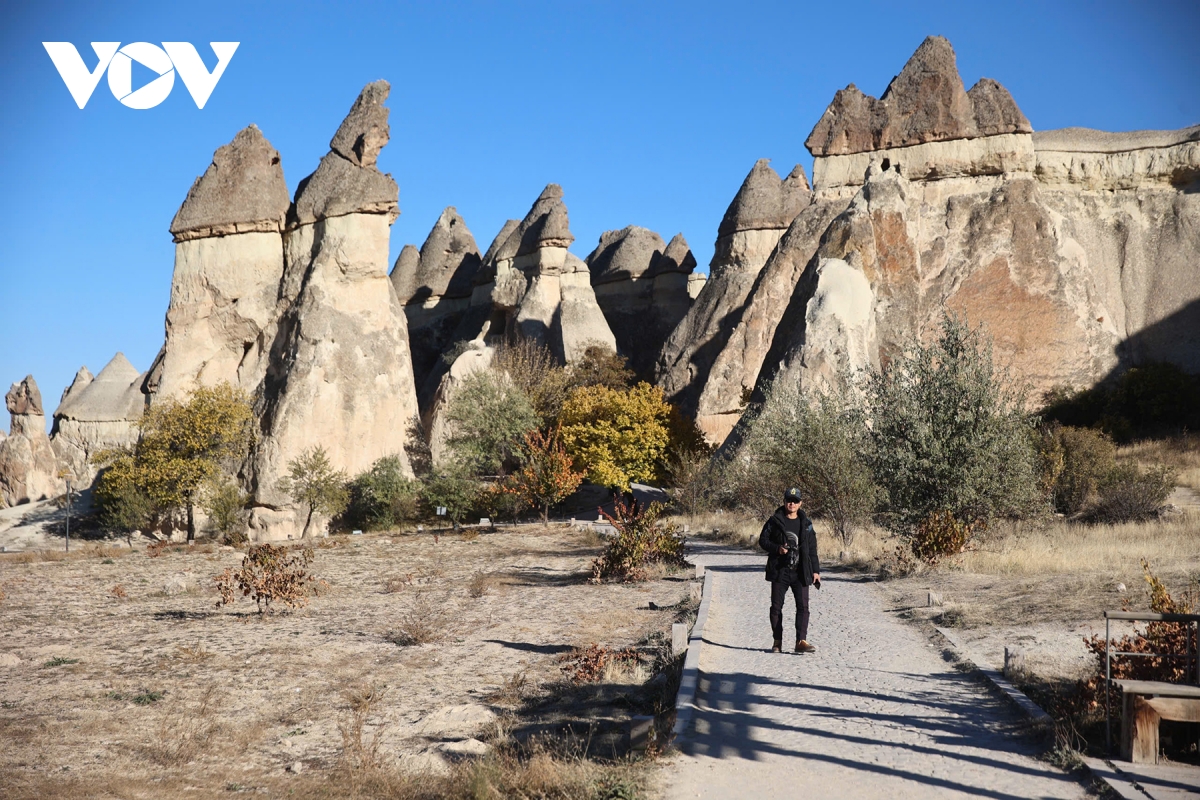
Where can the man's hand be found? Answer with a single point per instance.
(816, 576)
(782, 551)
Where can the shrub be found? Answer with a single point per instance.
(313, 482)
(949, 435)
(454, 489)
(939, 535)
(225, 503)
(383, 497)
(691, 474)
(546, 477)
(267, 574)
(642, 539)
(123, 505)
(488, 417)
(535, 371)
(819, 442)
(1169, 638)
(1128, 494)
(602, 367)
(1087, 457)
(618, 435)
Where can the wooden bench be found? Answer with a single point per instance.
(1143, 705)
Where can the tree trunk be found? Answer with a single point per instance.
(191, 523)
(307, 523)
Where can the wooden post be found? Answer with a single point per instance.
(679, 638)
(1139, 730)
(1014, 663)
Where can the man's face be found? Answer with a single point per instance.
(792, 505)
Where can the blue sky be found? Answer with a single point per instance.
(646, 113)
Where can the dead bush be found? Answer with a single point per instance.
(595, 662)
(360, 755)
(427, 620)
(269, 573)
(119, 592)
(481, 583)
(642, 539)
(185, 730)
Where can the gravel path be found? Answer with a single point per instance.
(876, 712)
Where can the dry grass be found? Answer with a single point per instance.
(1182, 453)
(1063, 547)
(79, 552)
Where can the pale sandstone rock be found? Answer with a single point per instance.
(98, 414)
(28, 466)
(752, 226)
(340, 375)
(228, 267)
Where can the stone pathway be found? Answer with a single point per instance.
(876, 712)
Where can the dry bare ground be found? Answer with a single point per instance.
(119, 676)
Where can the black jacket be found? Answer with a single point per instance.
(773, 537)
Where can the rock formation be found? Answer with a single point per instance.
(340, 374)
(97, 414)
(761, 211)
(1078, 250)
(641, 285)
(228, 266)
(28, 467)
(435, 286)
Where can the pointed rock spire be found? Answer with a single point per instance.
(765, 201)
(242, 190)
(404, 272)
(677, 257)
(347, 180)
(81, 381)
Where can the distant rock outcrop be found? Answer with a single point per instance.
(435, 286)
(641, 284)
(97, 414)
(28, 466)
(1078, 250)
(761, 211)
(340, 374)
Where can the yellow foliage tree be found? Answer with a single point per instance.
(183, 446)
(618, 435)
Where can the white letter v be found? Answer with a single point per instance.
(195, 76)
(75, 75)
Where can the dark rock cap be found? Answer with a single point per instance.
(546, 225)
(347, 180)
(677, 257)
(242, 190)
(404, 272)
(765, 202)
(627, 254)
(364, 131)
(449, 257)
(926, 102)
(24, 399)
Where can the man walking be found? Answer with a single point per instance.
(792, 563)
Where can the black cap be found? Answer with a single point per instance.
(792, 495)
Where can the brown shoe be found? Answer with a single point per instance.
(778, 646)
(803, 646)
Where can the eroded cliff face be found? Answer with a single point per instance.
(96, 414)
(1078, 250)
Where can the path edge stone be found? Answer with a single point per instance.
(689, 680)
(1102, 770)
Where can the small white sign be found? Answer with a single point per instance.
(441, 511)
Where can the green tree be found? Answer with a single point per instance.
(184, 446)
(949, 435)
(312, 481)
(454, 489)
(225, 503)
(383, 496)
(534, 370)
(488, 418)
(819, 442)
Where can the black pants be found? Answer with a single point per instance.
(779, 590)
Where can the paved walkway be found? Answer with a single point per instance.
(876, 712)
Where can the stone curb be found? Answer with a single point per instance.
(997, 679)
(1104, 771)
(685, 699)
